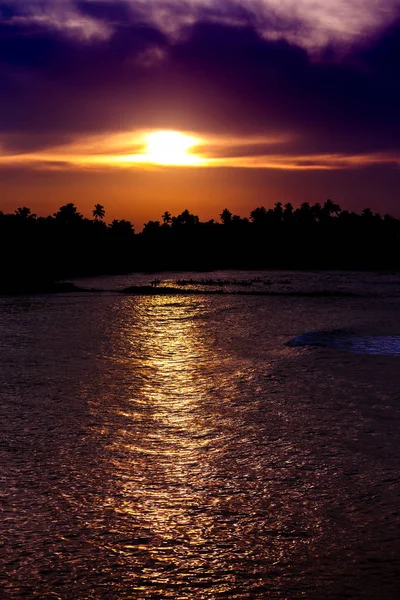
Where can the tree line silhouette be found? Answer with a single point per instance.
(318, 236)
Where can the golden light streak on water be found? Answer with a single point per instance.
(178, 448)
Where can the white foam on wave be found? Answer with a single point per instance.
(383, 345)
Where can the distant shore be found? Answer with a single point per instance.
(50, 288)
(39, 251)
(171, 291)
(21, 288)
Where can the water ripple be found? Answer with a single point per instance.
(163, 449)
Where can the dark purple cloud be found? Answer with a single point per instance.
(218, 75)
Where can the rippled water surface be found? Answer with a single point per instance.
(178, 447)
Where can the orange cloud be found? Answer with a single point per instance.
(139, 150)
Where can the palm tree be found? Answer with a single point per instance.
(317, 211)
(288, 211)
(278, 211)
(332, 208)
(99, 212)
(166, 217)
(304, 214)
(186, 218)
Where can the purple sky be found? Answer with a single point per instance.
(290, 101)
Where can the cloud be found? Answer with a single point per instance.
(310, 23)
(63, 16)
(75, 69)
(129, 151)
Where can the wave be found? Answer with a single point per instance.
(383, 345)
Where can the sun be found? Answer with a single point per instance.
(170, 148)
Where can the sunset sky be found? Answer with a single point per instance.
(153, 105)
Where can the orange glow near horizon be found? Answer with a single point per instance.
(144, 193)
(147, 150)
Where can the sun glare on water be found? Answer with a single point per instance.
(170, 148)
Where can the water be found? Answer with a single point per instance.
(385, 345)
(156, 447)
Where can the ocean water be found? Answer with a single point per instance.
(202, 446)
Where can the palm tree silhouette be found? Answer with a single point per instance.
(166, 217)
(99, 212)
(332, 208)
(278, 211)
(288, 211)
(304, 214)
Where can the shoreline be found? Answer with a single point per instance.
(148, 290)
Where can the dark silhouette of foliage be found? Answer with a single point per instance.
(226, 216)
(259, 216)
(99, 212)
(288, 212)
(24, 214)
(332, 208)
(121, 228)
(185, 219)
(167, 218)
(319, 236)
(68, 214)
